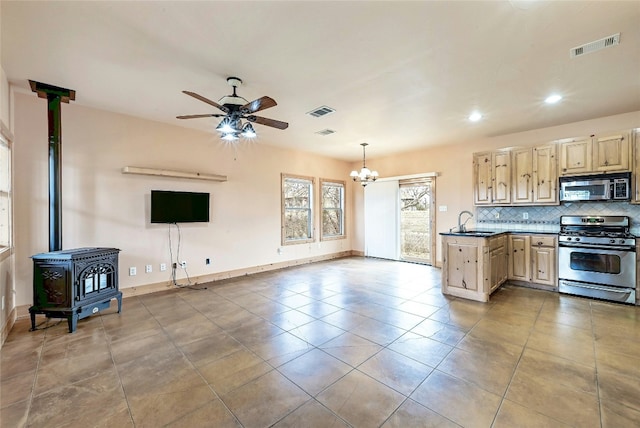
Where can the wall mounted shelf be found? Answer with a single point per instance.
(173, 174)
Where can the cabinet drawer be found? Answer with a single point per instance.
(497, 242)
(543, 241)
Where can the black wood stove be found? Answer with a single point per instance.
(74, 284)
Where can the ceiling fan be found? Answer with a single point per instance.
(236, 108)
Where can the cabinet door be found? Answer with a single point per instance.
(504, 265)
(482, 192)
(611, 153)
(519, 257)
(543, 267)
(462, 265)
(575, 157)
(545, 175)
(522, 185)
(501, 177)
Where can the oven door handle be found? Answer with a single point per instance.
(598, 247)
(612, 289)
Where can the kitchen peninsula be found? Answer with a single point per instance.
(475, 263)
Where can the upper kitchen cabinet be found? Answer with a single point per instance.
(492, 178)
(535, 176)
(516, 176)
(482, 170)
(608, 153)
(575, 157)
(522, 176)
(501, 164)
(545, 175)
(612, 153)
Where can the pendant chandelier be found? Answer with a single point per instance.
(365, 176)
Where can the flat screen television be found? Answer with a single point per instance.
(179, 207)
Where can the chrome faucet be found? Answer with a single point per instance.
(461, 226)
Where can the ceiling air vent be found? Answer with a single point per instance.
(320, 111)
(326, 132)
(595, 46)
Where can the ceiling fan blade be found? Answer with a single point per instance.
(257, 105)
(268, 122)
(196, 116)
(207, 100)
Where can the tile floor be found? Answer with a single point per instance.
(351, 342)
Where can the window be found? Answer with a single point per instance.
(5, 192)
(297, 209)
(332, 200)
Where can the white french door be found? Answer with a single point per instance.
(398, 219)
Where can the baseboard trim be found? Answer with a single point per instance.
(8, 325)
(218, 276)
(23, 311)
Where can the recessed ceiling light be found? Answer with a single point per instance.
(475, 116)
(552, 99)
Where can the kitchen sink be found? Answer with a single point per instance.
(475, 233)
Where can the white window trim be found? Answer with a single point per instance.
(344, 209)
(312, 214)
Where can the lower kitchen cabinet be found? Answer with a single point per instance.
(533, 260)
(473, 267)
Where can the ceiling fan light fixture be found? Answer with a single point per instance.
(236, 108)
(225, 126)
(248, 131)
(230, 136)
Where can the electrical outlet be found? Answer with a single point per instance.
(163, 267)
(148, 269)
(525, 216)
(183, 264)
(207, 261)
(133, 271)
(497, 215)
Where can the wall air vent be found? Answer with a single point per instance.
(320, 111)
(326, 132)
(595, 46)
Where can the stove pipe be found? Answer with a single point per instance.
(54, 95)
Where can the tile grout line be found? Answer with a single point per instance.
(115, 367)
(595, 361)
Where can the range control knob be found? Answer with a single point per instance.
(569, 238)
(622, 241)
(577, 239)
(613, 241)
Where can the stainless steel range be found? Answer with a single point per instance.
(597, 258)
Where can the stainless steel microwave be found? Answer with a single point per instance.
(601, 187)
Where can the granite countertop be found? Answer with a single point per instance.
(476, 233)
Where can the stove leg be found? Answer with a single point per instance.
(72, 320)
(119, 297)
(33, 320)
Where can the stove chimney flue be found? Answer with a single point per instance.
(54, 96)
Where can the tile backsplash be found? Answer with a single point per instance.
(547, 218)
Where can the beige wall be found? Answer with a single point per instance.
(103, 207)
(454, 164)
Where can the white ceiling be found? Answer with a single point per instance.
(401, 75)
